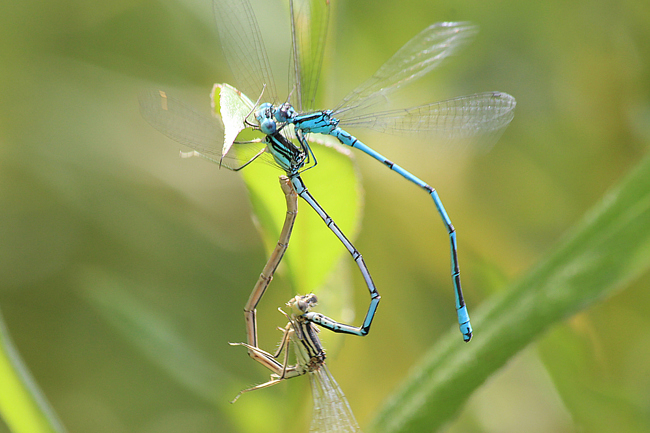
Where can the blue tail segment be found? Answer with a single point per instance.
(465, 326)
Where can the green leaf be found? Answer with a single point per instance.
(574, 359)
(333, 183)
(313, 250)
(22, 404)
(608, 249)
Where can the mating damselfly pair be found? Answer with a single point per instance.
(287, 127)
(331, 412)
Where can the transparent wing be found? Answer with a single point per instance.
(483, 115)
(416, 58)
(244, 48)
(183, 124)
(332, 413)
(309, 21)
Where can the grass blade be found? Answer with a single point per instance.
(608, 249)
(22, 404)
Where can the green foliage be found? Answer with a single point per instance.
(314, 249)
(605, 252)
(22, 404)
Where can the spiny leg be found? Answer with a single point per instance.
(271, 265)
(317, 318)
(281, 371)
(194, 153)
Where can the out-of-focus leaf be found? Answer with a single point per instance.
(22, 404)
(156, 337)
(608, 249)
(584, 377)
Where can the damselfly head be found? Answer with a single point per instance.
(264, 116)
(285, 112)
(301, 304)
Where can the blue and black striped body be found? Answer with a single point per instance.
(293, 159)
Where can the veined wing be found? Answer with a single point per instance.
(484, 115)
(332, 413)
(182, 123)
(244, 48)
(416, 58)
(309, 21)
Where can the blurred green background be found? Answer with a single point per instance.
(105, 232)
